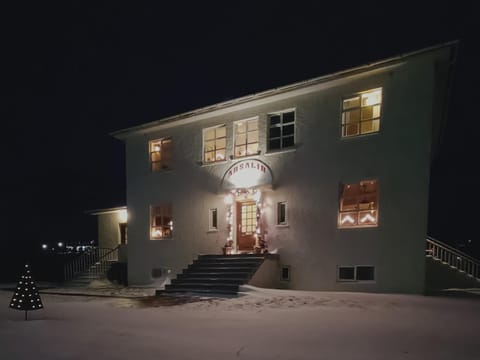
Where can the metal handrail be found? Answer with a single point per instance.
(100, 257)
(453, 257)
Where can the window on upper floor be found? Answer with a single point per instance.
(361, 113)
(281, 130)
(358, 204)
(246, 137)
(214, 144)
(161, 152)
(161, 223)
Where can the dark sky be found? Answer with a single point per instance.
(74, 71)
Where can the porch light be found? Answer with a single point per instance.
(122, 216)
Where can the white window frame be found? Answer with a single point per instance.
(246, 134)
(358, 210)
(211, 226)
(343, 123)
(215, 150)
(285, 223)
(170, 224)
(355, 280)
(168, 163)
(281, 125)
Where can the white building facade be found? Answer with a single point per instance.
(331, 174)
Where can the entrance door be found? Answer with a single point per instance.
(246, 225)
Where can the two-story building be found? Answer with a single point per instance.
(331, 174)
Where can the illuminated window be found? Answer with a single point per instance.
(161, 224)
(246, 138)
(356, 273)
(358, 204)
(212, 220)
(282, 213)
(214, 144)
(281, 130)
(361, 113)
(161, 154)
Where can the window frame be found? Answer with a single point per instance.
(211, 224)
(235, 123)
(204, 131)
(359, 209)
(281, 125)
(168, 161)
(344, 110)
(285, 222)
(355, 272)
(162, 214)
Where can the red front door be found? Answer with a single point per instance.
(246, 225)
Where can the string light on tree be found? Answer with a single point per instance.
(26, 296)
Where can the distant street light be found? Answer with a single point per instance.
(44, 246)
(60, 244)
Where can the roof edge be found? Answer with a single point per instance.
(105, 211)
(123, 133)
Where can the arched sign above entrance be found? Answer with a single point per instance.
(246, 174)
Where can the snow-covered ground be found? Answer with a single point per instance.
(261, 324)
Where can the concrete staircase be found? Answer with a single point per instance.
(215, 274)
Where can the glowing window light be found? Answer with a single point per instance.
(368, 217)
(349, 219)
(156, 233)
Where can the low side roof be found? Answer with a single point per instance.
(124, 133)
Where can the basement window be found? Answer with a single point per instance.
(356, 273)
(285, 275)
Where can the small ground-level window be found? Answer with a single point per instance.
(282, 213)
(285, 275)
(212, 219)
(356, 273)
(161, 223)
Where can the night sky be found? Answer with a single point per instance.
(73, 71)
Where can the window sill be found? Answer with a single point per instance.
(213, 163)
(282, 226)
(239, 158)
(161, 171)
(359, 136)
(357, 281)
(210, 231)
(166, 239)
(358, 227)
(283, 151)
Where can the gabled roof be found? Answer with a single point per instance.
(124, 133)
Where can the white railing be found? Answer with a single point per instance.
(453, 257)
(96, 261)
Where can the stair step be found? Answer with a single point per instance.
(209, 280)
(222, 268)
(215, 274)
(196, 291)
(231, 257)
(225, 263)
(188, 285)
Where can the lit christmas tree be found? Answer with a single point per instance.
(26, 296)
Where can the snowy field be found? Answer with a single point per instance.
(262, 324)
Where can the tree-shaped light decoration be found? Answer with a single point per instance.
(26, 296)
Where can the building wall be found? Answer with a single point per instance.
(308, 179)
(108, 230)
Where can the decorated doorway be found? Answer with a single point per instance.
(246, 225)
